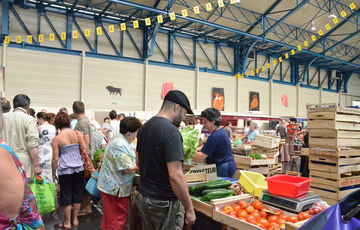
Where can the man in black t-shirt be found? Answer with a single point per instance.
(163, 195)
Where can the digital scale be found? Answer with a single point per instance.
(296, 205)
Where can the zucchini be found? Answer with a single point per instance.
(206, 191)
(218, 194)
(223, 184)
(196, 190)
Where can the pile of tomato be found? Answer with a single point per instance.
(260, 216)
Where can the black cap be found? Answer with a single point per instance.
(180, 98)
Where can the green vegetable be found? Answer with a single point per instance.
(256, 156)
(98, 155)
(206, 191)
(196, 190)
(223, 184)
(217, 195)
(190, 142)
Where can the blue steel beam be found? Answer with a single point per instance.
(153, 38)
(247, 55)
(83, 35)
(268, 11)
(207, 57)
(22, 24)
(105, 9)
(110, 40)
(5, 17)
(69, 22)
(170, 3)
(334, 29)
(342, 41)
(308, 67)
(298, 6)
(354, 58)
(73, 6)
(54, 30)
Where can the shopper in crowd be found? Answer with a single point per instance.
(18, 209)
(228, 129)
(67, 164)
(73, 121)
(198, 125)
(21, 134)
(162, 194)
(247, 126)
(217, 149)
(107, 120)
(281, 130)
(115, 123)
(251, 133)
(83, 125)
(52, 118)
(99, 140)
(63, 109)
(117, 175)
(5, 106)
(121, 116)
(31, 112)
(47, 133)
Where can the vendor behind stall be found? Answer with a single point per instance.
(217, 149)
(251, 133)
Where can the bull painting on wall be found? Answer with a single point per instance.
(114, 90)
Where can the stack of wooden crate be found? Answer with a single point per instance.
(267, 167)
(334, 154)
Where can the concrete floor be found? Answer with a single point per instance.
(91, 222)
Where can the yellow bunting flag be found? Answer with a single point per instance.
(274, 62)
(262, 68)
(98, 30)
(241, 75)
(306, 43)
(280, 59)
(352, 6)
(320, 32)
(41, 38)
(111, 29)
(52, 37)
(29, 38)
(7, 39)
(257, 70)
(184, 13)
(286, 56)
(247, 74)
(343, 14)
(292, 52)
(232, 1)
(252, 73)
(63, 36)
(196, 9)
(221, 3)
(208, 6)
(237, 75)
(123, 26)
(328, 27)
(147, 21)
(268, 65)
(75, 34)
(335, 20)
(18, 39)
(87, 33)
(299, 48)
(136, 24)
(172, 16)
(313, 38)
(160, 19)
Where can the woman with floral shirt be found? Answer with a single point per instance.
(117, 175)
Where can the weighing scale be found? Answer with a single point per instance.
(296, 205)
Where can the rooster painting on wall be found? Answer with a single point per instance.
(254, 101)
(218, 98)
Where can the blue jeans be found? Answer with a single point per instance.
(226, 169)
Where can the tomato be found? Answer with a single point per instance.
(257, 204)
(241, 202)
(233, 213)
(242, 213)
(228, 209)
(260, 226)
(263, 214)
(264, 222)
(242, 219)
(282, 217)
(255, 211)
(256, 215)
(236, 207)
(274, 228)
(278, 212)
(292, 219)
(249, 209)
(251, 219)
(300, 216)
(307, 216)
(273, 218)
(281, 222)
(244, 205)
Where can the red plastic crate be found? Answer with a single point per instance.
(288, 186)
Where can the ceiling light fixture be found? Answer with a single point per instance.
(313, 28)
(237, 1)
(332, 16)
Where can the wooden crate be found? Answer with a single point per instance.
(334, 164)
(266, 151)
(267, 141)
(334, 143)
(334, 152)
(334, 116)
(195, 177)
(331, 107)
(294, 226)
(243, 160)
(334, 133)
(333, 124)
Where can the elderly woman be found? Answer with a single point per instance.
(18, 209)
(69, 167)
(117, 175)
(251, 133)
(217, 149)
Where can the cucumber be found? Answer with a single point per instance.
(218, 194)
(206, 191)
(223, 184)
(196, 190)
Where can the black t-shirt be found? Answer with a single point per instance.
(159, 142)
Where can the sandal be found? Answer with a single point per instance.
(84, 213)
(62, 225)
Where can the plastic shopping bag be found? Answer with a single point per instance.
(44, 194)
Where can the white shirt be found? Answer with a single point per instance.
(115, 125)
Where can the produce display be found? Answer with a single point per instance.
(238, 188)
(212, 190)
(256, 156)
(318, 207)
(190, 142)
(255, 213)
(98, 155)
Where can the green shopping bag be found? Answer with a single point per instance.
(44, 194)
